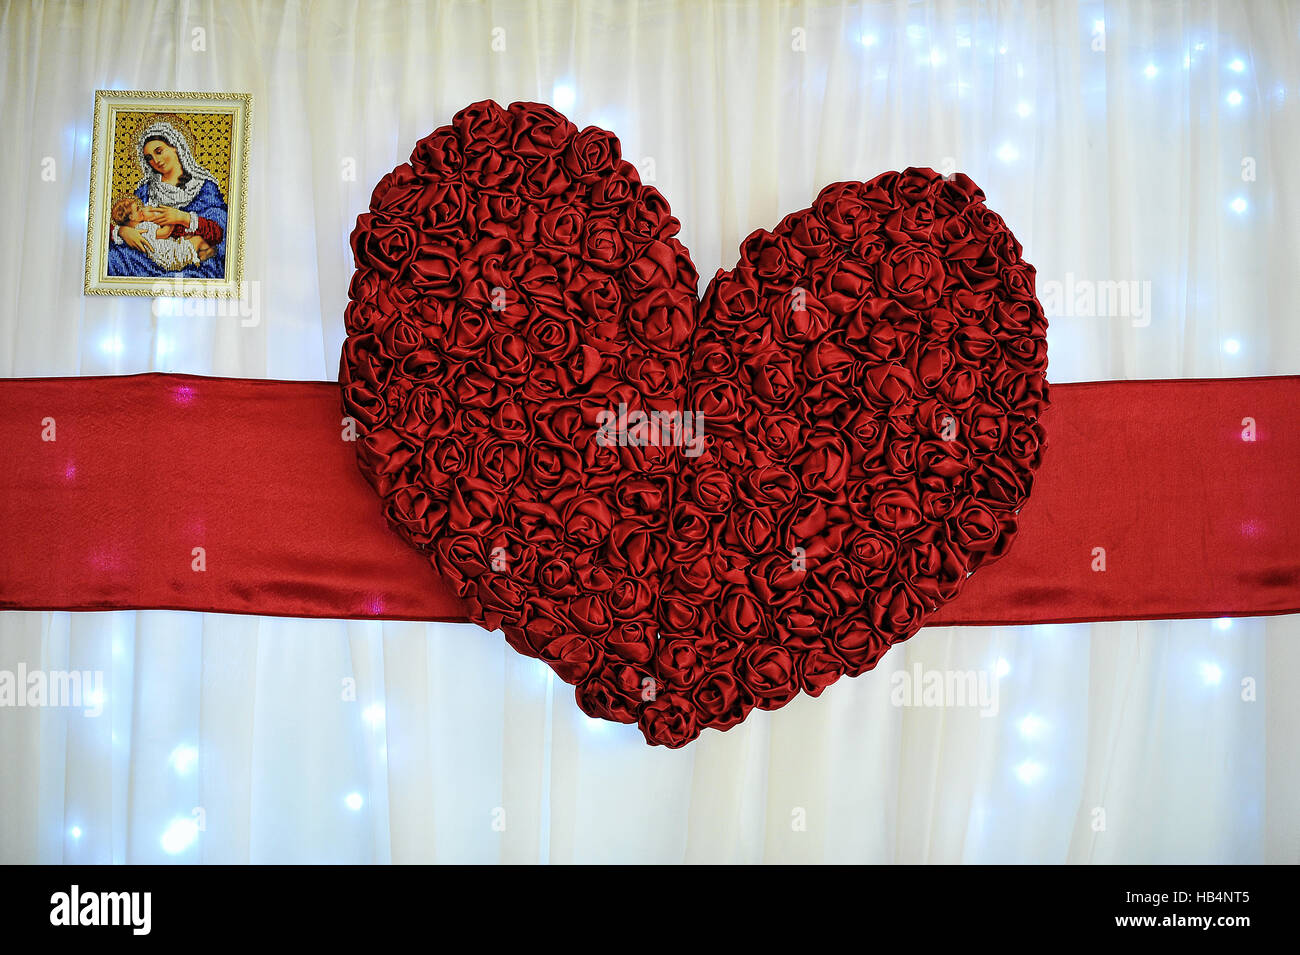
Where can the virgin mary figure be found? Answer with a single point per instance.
(176, 191)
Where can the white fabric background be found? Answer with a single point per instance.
(1120, 164)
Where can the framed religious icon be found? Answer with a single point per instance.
(168, 187)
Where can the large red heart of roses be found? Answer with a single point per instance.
(688, 508)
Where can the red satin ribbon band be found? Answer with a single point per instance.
(1185, 489)
(241, 496)
(143, 469)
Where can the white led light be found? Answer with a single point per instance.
(1002, 667)
(75, 832)
(77, 212)
(373, 714)
(353, 801)
(111, 345)
(1150, 70)
(1234, 98)
(1238, 205)
(869, 39)
(1031, 727)
(179, 836)
(1223, 623)
(184, 758)
(936, 56)
(1236, 65)
(1231, 346)
(1211, 674)
(563, 96)
(1029, 772)
(1023, 109)
(1008, 153)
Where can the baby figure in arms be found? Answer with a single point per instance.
(169, 246)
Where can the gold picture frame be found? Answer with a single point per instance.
(209, 163)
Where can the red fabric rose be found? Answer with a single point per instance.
(913, 274)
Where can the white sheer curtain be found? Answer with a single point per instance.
(1144, 142)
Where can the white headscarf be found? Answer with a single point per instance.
(161, 193)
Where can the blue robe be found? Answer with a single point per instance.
(208, 204)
